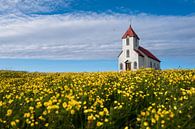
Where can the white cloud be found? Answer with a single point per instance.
(32, 6)
(92, 36)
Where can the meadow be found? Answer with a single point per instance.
(145, 99)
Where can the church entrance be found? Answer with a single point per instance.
(128, 66)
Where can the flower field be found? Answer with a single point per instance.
(146, 99)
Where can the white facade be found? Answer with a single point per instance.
(133, 56)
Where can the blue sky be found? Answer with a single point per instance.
(85, 35)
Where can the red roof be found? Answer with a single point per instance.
(130, 32)
(148, 53)
(140, 54)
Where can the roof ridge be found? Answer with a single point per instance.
(130, 32)
(148, 53)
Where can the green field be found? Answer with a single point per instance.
(146, 99)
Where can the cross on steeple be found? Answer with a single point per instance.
(130, 22)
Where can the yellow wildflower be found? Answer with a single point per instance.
(99, 124)
(9, 112)
(13, 123)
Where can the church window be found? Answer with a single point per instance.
(150, 64)
(135, 65)
(127, 41)
(128, 53)
(121, 66)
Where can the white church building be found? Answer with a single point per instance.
(133, 56)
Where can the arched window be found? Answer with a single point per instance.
(150, 64)
(121, 66)
(135, 65)
(135, 41)
(127, 41)
(128, 53)
(154, 65)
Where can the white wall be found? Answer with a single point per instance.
(141, 62)
(154, 63)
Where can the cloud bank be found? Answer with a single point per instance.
(92, 36)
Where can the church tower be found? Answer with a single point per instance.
(130, 40)
(130, 43)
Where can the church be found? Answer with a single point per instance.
(133, 56)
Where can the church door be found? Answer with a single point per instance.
(128, 66)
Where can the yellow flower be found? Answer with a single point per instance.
(1, 103)
(145, 123)
(44, 112)
(171, 115)
(13, 123)
(99, 124)
(106, 120)
(90, 118)
(143, 113)
(64, 105)
(41, 118)
(47, 124)
(39, 104)
(153, 120)
(32, 124)
(9, 112)
(162, 122)
(17, 121)
(126, 127)
(156, 117)
(147, 113)
(101, 113)
(153, 110)
(72, 112)
(138, 119)
(31, 108)
(26, 115)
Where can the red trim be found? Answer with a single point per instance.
(130, 32)
(148, 53)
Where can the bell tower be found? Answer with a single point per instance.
(130, 39)
(130, 43)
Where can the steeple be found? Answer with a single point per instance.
(130, 32)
